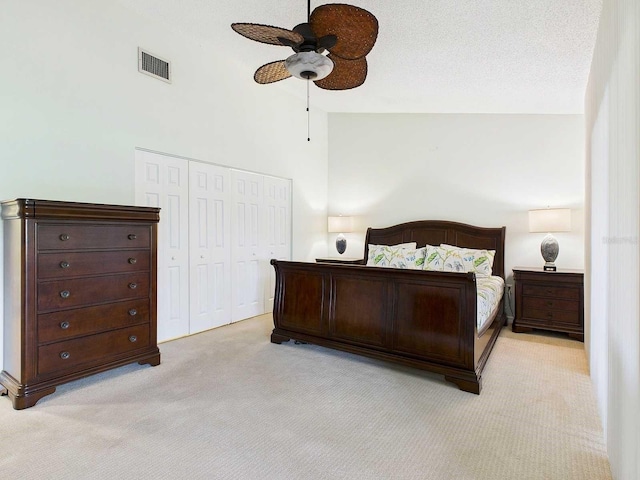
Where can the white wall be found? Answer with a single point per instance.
(486, 170)
(612, 253)
(74, 108)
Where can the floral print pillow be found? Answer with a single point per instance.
(396, 257)
(442, 259)
(479, 262)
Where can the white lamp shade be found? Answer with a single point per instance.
(340, 224)
(548, 220)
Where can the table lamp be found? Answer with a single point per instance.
(550, 220)
(340, 225)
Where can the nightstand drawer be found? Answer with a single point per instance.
(540, 303)
(552, 316)
(551, 291)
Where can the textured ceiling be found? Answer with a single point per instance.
(475, 56)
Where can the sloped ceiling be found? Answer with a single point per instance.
(437, 56)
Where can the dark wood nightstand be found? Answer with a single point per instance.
(549, 301)
(352, 261)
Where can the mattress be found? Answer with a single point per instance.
(490, 290)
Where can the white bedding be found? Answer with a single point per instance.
(490, 290)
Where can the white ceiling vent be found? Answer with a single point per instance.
(153, 65)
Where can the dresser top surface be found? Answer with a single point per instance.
(54, 209)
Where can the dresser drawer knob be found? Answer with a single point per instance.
(64, 237)
(133, 339)
(133, 312)
(65, 293)
(549, 304)
(550, 315)
(64, 264)
(133, 261)
(549, 291)
(133, 286)
(64, 355)
(132, 236)
(64, 325)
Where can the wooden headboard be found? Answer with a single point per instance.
(435, 232)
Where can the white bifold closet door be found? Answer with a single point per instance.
(247, 248)
(163, 181)
(277, 235)
(210, 248)
(218, 229)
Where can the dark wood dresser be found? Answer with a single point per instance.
(549, 301)
(79, 293)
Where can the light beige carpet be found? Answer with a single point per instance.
(227, 404)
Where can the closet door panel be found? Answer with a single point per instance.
(210, 248)
(246, 251)
(163, 181)
(277, 200)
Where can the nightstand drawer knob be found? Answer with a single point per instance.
(64, 325)
(133, 261)
(133, 286)
(132, 236)
(64, 355)
(133, 339)
(550, 314)
(549, 304)
(549, 291)
(64, 237)
(65, 293)
(64, 264)
(133, 312)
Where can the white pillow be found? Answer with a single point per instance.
(394, 257)
(474, 260)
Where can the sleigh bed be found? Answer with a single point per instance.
(420, 318)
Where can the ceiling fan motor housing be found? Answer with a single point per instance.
(309, 65)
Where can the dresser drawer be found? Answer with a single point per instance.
(539, 303)
(76, 292)
(78, 237)
(77, 353)
(552, 317)
(551, 291)
(57, 326)
(72, 264)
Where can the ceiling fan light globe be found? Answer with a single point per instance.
(309, 65)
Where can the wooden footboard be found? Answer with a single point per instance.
(417, 318)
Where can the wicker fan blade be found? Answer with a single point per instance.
(271, 72)
(346, 74)
(268, 34)
(356, 29)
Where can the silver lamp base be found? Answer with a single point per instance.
(549, 249)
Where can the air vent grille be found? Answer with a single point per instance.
(154, 66)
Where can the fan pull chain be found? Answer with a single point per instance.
(308, 115)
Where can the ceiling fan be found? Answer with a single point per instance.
(346, 32)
